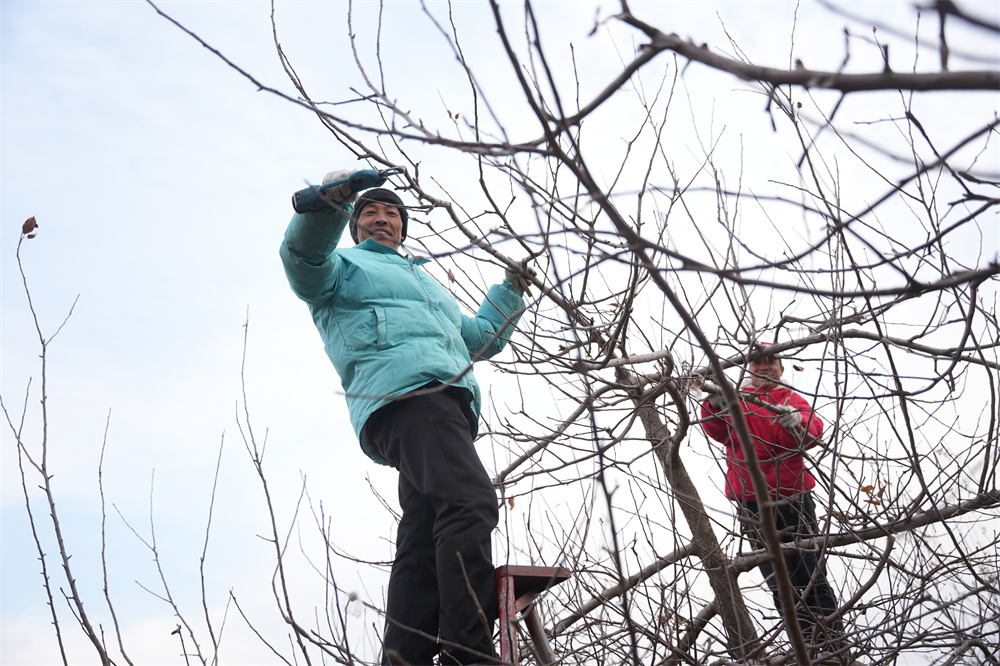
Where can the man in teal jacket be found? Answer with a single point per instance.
(404, 353)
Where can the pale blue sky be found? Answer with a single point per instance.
(161, 182)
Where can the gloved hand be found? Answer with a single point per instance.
(341, 193)
(521, 278)
(716, 401)
(788, 417)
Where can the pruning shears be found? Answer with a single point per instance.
(312, 199)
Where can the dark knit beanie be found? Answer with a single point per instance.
(379, 195)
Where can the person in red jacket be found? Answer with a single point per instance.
(782, 425)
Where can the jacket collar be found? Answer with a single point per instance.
(372, 245)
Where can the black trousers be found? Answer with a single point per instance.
(795, 518)
(449, 513)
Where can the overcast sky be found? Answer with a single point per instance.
(161, 180)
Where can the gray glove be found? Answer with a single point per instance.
(716, 401)
(340, 193)
(788, 417)
(521, 278)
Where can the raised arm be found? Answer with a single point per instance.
(307, 250)
(307, 253)
(714, 419)
(486, 333)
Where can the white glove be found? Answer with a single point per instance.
(789, 417)
(521, 278)
(341, 193)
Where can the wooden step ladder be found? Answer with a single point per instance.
(517, 587)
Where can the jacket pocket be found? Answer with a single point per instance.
(381, 329)
(411, 324)
(359, 330)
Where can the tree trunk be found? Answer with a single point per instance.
(740, 633)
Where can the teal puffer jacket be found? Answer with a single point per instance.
(388, 326)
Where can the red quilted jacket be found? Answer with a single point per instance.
(779, 453)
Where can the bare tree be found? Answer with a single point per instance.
(865, 255)
(851, 220)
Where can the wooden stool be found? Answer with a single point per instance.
(517, 587)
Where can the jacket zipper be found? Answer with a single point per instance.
(430, 304)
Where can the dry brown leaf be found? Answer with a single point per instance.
(29, 225)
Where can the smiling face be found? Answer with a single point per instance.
(765, 372)
(382, 223)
